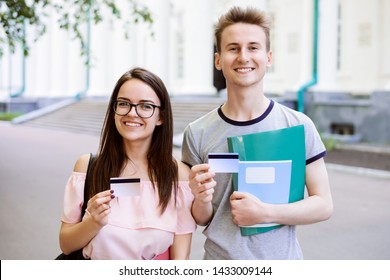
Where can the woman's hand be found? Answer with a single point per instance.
(99, 208)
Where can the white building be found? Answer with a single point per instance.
(353, 61)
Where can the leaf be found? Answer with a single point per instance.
(73, 16)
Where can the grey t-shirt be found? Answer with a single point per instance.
(207, 135)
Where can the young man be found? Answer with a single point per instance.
(243, 55)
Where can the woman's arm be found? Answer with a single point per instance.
(181, 247)
(75, 236)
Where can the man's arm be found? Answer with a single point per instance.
(202, 186)
(318, 206)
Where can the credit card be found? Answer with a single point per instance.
(126, 186)
(223, 162)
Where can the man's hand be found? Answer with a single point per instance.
(247, 209)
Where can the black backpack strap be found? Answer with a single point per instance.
(86, 185)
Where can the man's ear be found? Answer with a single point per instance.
(217, 61)
(269, 59)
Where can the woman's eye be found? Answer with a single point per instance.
(123, 104)
(146, 106)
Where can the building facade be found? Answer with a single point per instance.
(337, 71)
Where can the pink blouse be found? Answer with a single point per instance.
(135, 228)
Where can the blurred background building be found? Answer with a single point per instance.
(330, 60)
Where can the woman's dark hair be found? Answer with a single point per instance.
(112, 158)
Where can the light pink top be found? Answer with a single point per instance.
(135, 228)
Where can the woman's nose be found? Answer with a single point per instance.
(134, 111)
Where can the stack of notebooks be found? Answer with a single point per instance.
(272, 167)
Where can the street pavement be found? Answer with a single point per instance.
(35, 164)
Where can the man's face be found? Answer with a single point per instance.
(244, 57)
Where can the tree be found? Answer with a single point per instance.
(16, 15)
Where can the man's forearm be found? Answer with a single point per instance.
(202, 212)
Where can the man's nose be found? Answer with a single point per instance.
(243, 55)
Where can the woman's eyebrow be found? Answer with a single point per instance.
(141, 101)
(146, 101)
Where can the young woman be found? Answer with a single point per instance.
(136, 142)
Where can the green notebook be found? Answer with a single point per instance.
(277, 145)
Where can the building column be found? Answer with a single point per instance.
(113, 54)
(191, 49)
(327, 45)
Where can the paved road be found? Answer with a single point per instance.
(35, 165)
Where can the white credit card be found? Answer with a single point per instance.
(126, 186)
(223, 162)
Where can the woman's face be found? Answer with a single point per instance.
(131, 126)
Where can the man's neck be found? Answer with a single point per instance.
(245, 104)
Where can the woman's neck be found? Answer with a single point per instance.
(137, 163)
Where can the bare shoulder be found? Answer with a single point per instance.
(81, 164)
(184, 171)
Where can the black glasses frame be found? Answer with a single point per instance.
(114, 104)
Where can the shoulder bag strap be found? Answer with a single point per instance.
(86, 185)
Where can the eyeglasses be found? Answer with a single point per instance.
(144, 110)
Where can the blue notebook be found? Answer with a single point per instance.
(282, 152)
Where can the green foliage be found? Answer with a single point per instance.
(329, 142)
(14, 14)
(8, 116)
(73, 15)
